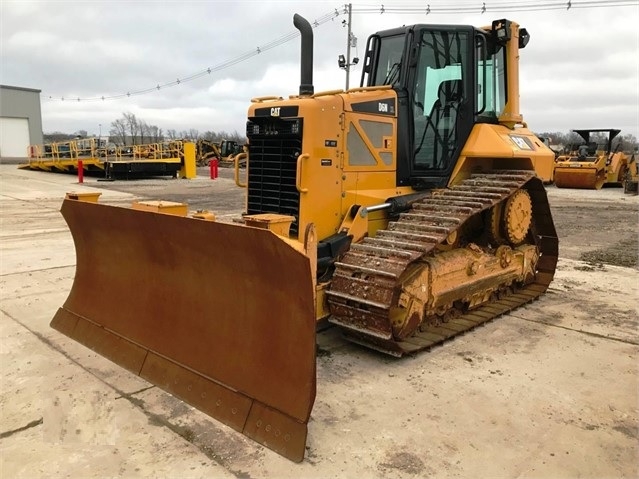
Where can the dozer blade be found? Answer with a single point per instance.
(219, 315)
(584, 178)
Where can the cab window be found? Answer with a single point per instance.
(437, 97)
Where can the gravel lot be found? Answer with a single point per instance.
(550, 390)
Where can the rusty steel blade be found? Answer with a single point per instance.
(220, 315)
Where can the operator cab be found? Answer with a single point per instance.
(604, 135)
(447, 78)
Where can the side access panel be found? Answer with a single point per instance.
(219, 315)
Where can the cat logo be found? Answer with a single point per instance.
(275, 111)
(382, 107)
(521, 142)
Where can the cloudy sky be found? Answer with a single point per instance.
(580, 69)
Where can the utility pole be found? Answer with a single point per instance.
(348, 46)
(345, 62)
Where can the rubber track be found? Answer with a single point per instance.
(367, 280)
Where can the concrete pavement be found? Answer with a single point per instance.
(548, 391)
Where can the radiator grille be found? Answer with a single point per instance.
(274, 145)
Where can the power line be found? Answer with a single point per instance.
(221, 66)
(424, 8)
(475, 6)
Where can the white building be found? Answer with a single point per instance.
(20, 120)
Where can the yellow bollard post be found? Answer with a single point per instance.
(188, 169)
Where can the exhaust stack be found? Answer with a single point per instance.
(306, 73)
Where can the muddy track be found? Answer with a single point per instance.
(366, 283)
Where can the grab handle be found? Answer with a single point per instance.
(298, 173)
(238, 157)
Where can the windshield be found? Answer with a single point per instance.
(389, 61)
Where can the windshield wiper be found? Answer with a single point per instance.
(393, 74)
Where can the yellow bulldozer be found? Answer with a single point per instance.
(403, 212)
(224, 152)
(590, 165)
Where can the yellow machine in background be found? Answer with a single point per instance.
(229, 149)
(224, 152)
(590, 165)
(631, 179)
(174, 158)
(404, 211)
(205, 151)
(64, 156)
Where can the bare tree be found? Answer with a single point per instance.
(208, 135)
(117, 133)
(132, 126)
(128, 130)
(144, 133)
(172, 134)
(629, 143)
(223, 135)
(154, 133)
(193, 134)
